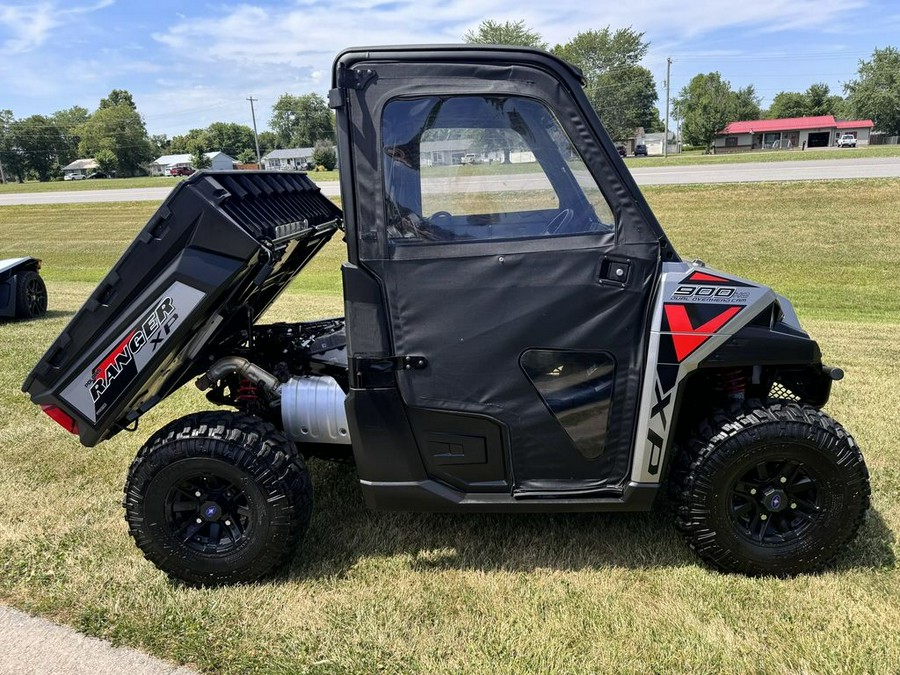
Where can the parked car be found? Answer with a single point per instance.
(73, 176)
(640, 150)
(621, 150)
(847, 141)
(471, 158)
(97, 174)
(180, 171)
(23, 294)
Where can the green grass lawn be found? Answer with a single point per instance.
(400, 593)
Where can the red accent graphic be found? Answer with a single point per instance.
(101, 369)
(703, 276)
(685, 337)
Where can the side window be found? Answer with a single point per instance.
(471, 168)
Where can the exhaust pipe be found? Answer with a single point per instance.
(235, 365)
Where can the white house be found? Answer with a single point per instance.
(80, 168)
(287, 158)
(163, 166)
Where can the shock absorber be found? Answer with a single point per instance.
(247, 394)
(733, 383)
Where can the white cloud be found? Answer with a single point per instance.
(29, 25)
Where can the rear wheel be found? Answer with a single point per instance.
(218, 498)
(31, 295)
(776, 489)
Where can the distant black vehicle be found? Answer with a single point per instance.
(23, 294)
(640, 150)
(97, 174)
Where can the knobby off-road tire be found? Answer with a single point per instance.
(771, 489)
(31, 295)
(217, 498)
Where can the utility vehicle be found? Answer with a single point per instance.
(521, 339)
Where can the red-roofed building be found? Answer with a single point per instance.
(788, 133)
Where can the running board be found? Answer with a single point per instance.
(429, 495)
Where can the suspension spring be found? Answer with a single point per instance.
(733, 383)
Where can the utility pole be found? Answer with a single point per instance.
(2, 177)
(255, 135)
(668, 86)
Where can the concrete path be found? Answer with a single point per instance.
(31, 646)
(817, 169)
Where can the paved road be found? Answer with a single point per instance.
(817, 169)
(34, 646)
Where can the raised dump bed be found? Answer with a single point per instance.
(213, 257)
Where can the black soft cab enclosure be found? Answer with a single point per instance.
(212, 258)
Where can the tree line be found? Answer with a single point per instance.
(115, 135)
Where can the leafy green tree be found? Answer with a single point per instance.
(507, 33)
(39, 140)
(268, 141)
(118, 97)
(68, 121)
(106, 161)
(787, 104)
(199, 160)
(230, 138)
(875, 94)
(820, 101)
(11, 155)
(118, 127)
(247, 157)
(745, 104)
(621, 90)
(704, 106)
(324, 155)
(300, 121)
(184, 144)
(159, 144)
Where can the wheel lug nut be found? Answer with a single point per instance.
(783, 479)
(793, 505)
(197, 493)
(199, 520)
(764, 517)
(752, 491)
(228, 523)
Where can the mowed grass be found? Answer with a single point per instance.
(400, 593)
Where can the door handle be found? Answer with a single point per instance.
(615, 271)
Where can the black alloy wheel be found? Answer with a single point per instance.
(31, 292)
(218, 497)
(775, 501)
(776, 488)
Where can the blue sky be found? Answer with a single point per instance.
(192, 63)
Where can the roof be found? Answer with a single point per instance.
(289, 153)
(82, 164)
(855, 124)
(792, 124)
(185, 158)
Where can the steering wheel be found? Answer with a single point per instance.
(440, 218)
(560, 220)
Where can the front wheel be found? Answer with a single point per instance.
(774, 489)
(217, 497)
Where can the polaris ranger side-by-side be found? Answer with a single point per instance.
(520, 335)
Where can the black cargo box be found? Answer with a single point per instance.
(219, 250)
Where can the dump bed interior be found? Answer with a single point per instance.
(214, 256)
